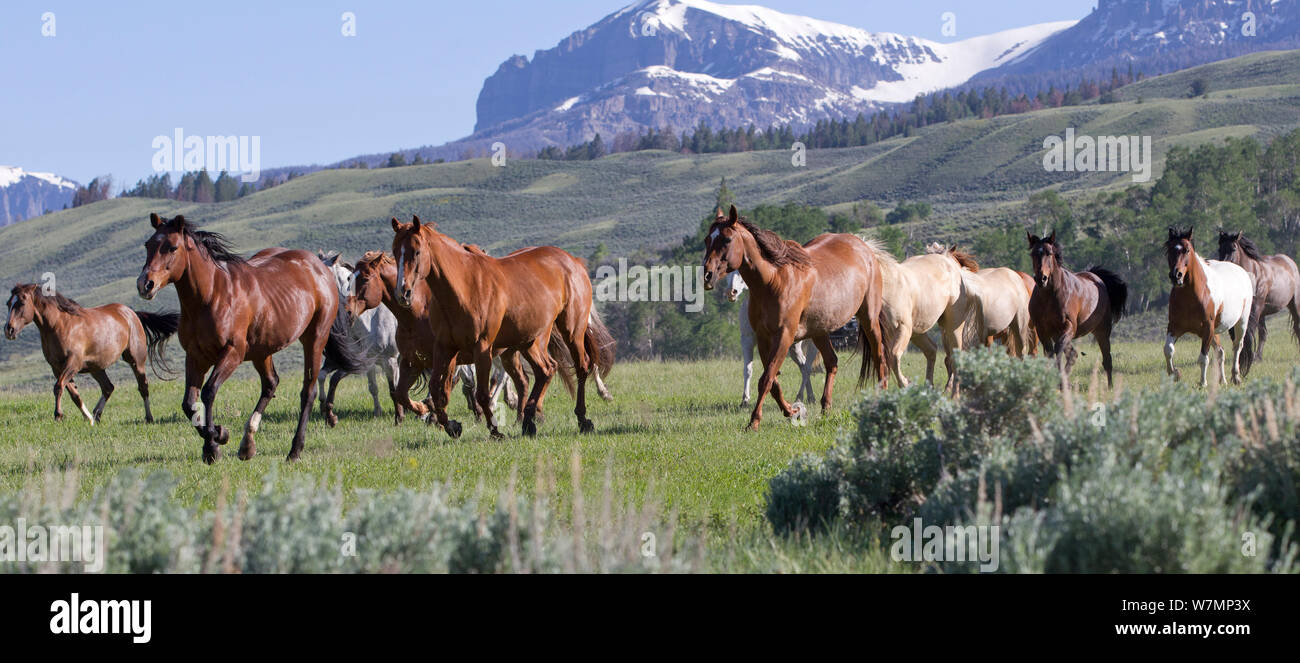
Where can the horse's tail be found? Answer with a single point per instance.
(343, 352)
(158, 327)
(1250, 338)
(873, 348)
(599, 344)
(1116, 290)
(559, 351)
(973, 332)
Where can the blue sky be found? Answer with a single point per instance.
(90, 99)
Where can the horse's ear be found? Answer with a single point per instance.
(1173, 234)
(415, 221)
(1032, 239)
(397, 225)
(1051, 239)
(733, 215)
(155, 220)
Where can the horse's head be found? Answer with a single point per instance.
(733, 285)
(341, 270)
(1046, 254)
(166, 255)
(368, 283)
(1229, 245)
(22, 309)
(723, 250)
(1180, 252)
(412, 246)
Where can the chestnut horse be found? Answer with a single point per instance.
(1208, 296)
(1277, 284)
(799, 292)
(494, 304)
(1066, 306)
(76, 340)
(235, 310)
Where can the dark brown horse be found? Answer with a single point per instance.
(235, 310)
(1277, 283)
(495, 304)
(800, 292)
(1065, 306)
(76, 340)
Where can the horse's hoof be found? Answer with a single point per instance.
(530, 427)
(753, 426)
(331, 419)
(292, 457)
(58, 417)
(222, 435)
(247, 449)
(148, 420)
(454, 429)
(211, 453)
(496, 435)
(585, 426)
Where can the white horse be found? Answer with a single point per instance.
(375, 329)
(803, 352)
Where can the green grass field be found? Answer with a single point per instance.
(674, 435)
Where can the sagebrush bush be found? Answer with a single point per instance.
(1162, 480)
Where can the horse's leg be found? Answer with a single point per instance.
(807, 369)
(76, 400)
(1065, 354)
(1263, 328)
(582, 366)
(511, 361)
(372, 378)
(1208, 340)
(543, 370)
(1238, 334)
(105, 391)
(747, 365)
(320, 389)
(136, 358)
(214, 435)
(330, 418)
(313, 349)
(951, 343)
(1102, 334)
(801, 360)
(832, 363)
(443, 363)
(1293, 307)
(483, 388)
(59, 383)
(1170, 369)
(772, 352)
(930, 350)
(498, 386)
(270, 380)
(468, 377)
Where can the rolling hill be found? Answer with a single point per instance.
(972, 171)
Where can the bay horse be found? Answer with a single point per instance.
(1066, 305)
(235, 310)
(75, 339)
(803, 353)
(1208, 296)
(492, 304)
(799, 292)
(1277, 284)
(922, 292)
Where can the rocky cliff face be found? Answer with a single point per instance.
(24, 195)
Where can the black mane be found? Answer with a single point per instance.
(65, 304)
(1247, 247)
(216, 244)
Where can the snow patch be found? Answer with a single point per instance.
(10, 175)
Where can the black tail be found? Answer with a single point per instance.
(1251, 336)
(158, 327)
(599, 344)
(342, 351)
(1116, 290)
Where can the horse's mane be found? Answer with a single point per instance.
(1248, 247)
(776, 250)
(474, 248)
(966, 260)
(379, 257)
(64, 304)
(216, 244)
(1176, 236)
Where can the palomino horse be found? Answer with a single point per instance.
(373, 281)
(235, 310)
(799, 292)
(922, 292)
(375, 329)
(492, 304)
(1208, 296)
(1003, 300)
(76, 340)
(1277, 283)
(1031, 335)
(1066, 305)
(803, 353)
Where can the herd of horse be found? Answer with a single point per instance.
(432, 311)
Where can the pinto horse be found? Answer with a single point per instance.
(1277, 284)
(76, 340)
(491, 304)
(1208, 296)
(799, 292)
(235, 310)
(1066, 305)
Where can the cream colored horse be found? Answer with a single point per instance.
(920, 293)
(1003, 303)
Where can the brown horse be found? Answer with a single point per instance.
(76, 340)
(1277, 283)
(235, 310)
(800, 292)
(1066, 306)
(493, 304)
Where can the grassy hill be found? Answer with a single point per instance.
(973, 171)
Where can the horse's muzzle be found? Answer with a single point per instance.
(1177, 278)
(732, 295)
(10, 332)
(709, 278)
(404, 298)
(146, 287)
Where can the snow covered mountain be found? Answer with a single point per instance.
(661, 63)
(25, 194)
